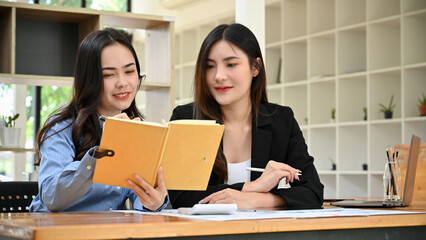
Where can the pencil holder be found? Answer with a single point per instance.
(392, 181)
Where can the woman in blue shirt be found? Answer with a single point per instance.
(105, 83)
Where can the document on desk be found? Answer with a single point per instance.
(266, 214)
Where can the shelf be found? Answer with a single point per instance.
(273, 23)
(16, 150)
(294, 12)
(352, 51)
(348, 55)
(352, 150)
(322, 56)
(295, 61)
(322, 102)
(350, 12)
(321, 15)
(413, 6)
(378, 9)
(384, 85)
(352, 99)
(40, 42)
(36, 80)
(385, 44)
(414, 37)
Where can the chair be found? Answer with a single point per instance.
(17, 196)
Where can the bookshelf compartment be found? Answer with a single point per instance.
(274, 95)
(46, 47)
(179, 53)
(295, 12)
(383, 135)
(417, 127)
(322, 57)
(413, 5)
(178, 84)
(376, 185)
(5, 39)
(329, 182)
(273, 65)
(385, 44)
(384, 85)
(350, 12)
(352, 148)
(323, 100)
(323, 147)
(347, 54)
(414, 88)
(414, 38)
(187, 82)
(352, 51)
(353, 186)
(378, 9)
(295, 61)
(273, 23)
(321, 13)
(204, 30)
(296, 98)
(352, 99)
(190, 44)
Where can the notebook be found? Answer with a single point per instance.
(407, 195)
(186, 150)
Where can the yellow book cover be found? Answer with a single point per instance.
(186, 149)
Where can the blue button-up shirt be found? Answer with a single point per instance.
(66, 185)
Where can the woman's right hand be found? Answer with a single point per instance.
(271, 176)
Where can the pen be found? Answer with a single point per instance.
(253, 169)
(391, 171)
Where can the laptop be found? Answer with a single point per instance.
(408, 185)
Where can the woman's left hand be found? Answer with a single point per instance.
(150, 197)
(244, 200)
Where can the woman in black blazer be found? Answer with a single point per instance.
(230, 87)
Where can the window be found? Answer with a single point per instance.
(40, 102)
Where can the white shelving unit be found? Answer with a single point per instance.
(347, 55)
(23, 26)
(39, 44)
(337, 54)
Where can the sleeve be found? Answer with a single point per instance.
(308, 191)
(137, 205)
(63, 181)
(189, 198)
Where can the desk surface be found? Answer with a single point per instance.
(121, 225)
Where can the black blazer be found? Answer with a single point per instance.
(275, 136)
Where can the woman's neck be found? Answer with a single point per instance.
(237, 114)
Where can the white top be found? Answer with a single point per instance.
(237, 172)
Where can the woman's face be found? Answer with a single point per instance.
(229, 74)
(120, 78)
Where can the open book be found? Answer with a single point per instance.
(186, 149)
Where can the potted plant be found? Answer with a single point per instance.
(387, 110)
(9, 135)
(333, 115)
(422, 105)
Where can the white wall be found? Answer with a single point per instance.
(190, 14)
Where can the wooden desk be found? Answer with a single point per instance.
(118, 225)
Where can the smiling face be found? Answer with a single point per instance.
(120, 78)
(229, 74)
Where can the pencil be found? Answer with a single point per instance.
(253, 169)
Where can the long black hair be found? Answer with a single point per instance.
(205, 106)
(88, 89)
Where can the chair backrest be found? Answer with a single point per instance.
(17, 196)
